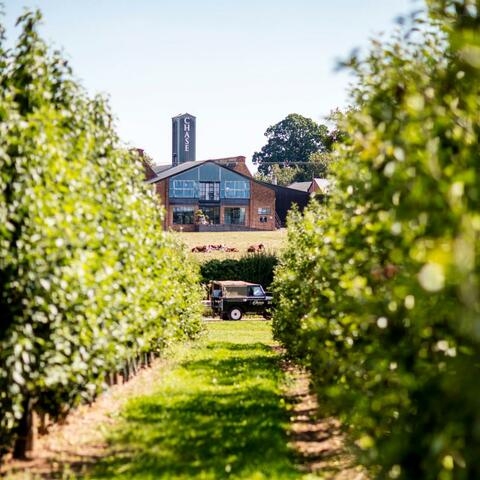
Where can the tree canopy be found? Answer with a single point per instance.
(291, 141)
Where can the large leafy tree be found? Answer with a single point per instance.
(291, 142)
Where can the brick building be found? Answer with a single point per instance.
(222, 189)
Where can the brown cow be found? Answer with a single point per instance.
(200, 248)
(256, 248)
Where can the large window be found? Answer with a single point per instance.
(183, 189)
(237, 189)
(209, 190)
(212, 214)
(183, 215)
(234, 215)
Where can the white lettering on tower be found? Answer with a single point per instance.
(186, 133)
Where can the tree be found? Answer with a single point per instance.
(290, 141)
(279, 175)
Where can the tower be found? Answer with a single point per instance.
(183, 139)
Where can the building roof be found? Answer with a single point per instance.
(323, 184)
(182, 167)
(160, 168)
(170, 172)
(184, 115)
(302, 186)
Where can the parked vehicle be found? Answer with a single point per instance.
(233, 299)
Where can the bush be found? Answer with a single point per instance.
(87, 279)
(379, 289)
(253, 267)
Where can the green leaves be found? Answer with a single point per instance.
(88, 280)
(378, 289)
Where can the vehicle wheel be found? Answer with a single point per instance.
(235, 313)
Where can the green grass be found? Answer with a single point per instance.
(273, 241)
(219, 413)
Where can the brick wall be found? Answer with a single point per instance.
(261, 197)
(161, 188)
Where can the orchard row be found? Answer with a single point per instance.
(89, 283)
(379, 288)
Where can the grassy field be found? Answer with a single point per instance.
(218, 414)
(273, 241)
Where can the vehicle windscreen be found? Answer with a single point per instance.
(255, 291)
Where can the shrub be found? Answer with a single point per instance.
(87, 278)
(379, 289)
(252, 267)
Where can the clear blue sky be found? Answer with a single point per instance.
(238, 65)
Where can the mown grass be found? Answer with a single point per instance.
(218, 414)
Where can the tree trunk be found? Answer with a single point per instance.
(42, 427)
(24, 432)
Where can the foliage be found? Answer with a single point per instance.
(379, 289)
(278, 175)
(87, 278)
(218, 414)
(252, 267)
(290, 141)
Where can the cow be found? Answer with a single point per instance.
(256, 248)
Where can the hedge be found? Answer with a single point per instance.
(88, 280)
(252, 267)
(379, 288)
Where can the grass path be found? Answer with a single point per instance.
(218, 413)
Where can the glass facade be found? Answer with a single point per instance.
(234, 215)
(237, 189)
(183, 189)
(210, 191)
(183, 215)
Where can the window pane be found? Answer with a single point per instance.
(183, 189)
(237, 189)
(234, 215)
(183, 215)
(209, 190)
(212, 214)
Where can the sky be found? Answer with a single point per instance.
(239, 66)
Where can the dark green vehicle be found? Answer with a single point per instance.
(232, 299)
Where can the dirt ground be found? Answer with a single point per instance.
(72, 447)
(320, 442)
